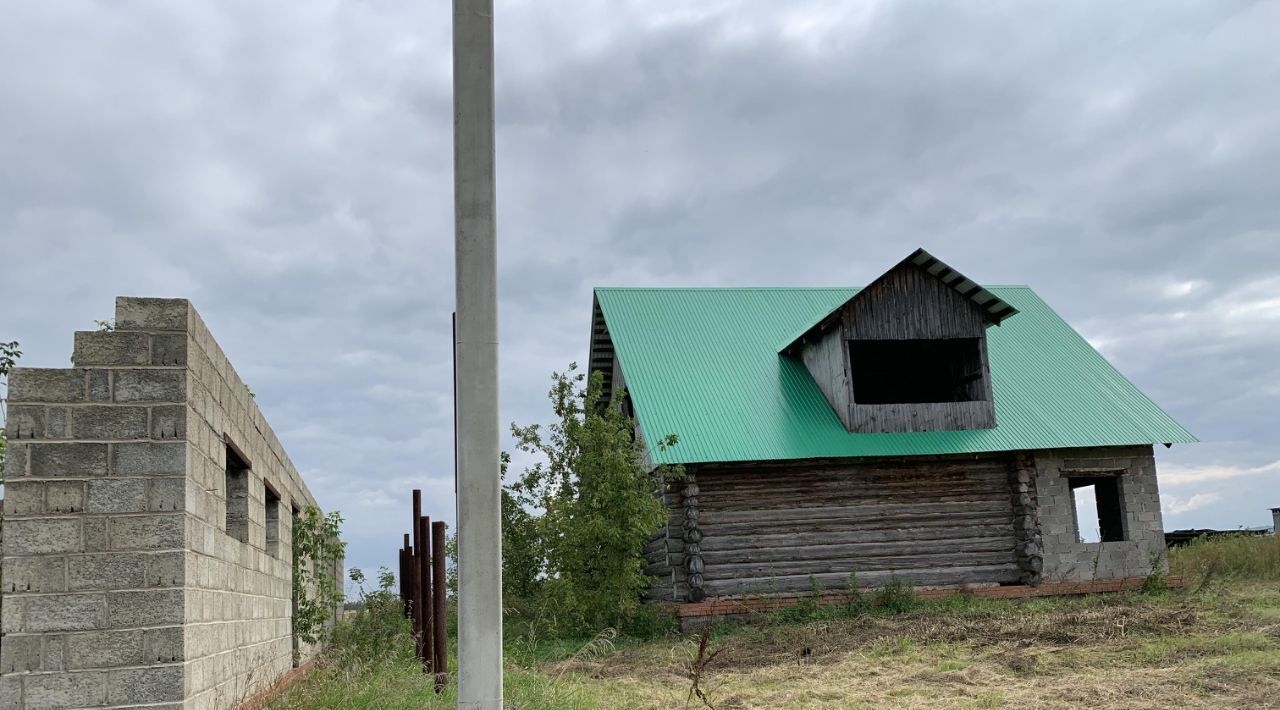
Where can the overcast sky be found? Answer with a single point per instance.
(288, 167)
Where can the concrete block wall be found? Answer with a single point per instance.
(1065, 558)
(121, 586)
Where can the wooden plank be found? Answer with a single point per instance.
(907, 303)
(825, 359)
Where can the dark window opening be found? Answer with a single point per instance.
(916, 371)
(273, 521)
(1099, 513)
(237, 480)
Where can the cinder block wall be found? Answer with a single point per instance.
(122, 586)
(1068, 559)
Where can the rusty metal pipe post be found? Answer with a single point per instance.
(440, 627)
(424, 580)
(420, 551)
(406, 588)
(401, 582)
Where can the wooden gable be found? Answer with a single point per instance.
(908, 352)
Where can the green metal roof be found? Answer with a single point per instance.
(703, 363)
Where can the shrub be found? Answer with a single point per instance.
(377, 629)
(317, 550)
(598, 499)
(1157, 580)
(856, 601)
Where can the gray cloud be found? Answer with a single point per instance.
(288, 167)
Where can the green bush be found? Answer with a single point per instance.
(317, 550)
(377, 629)
(598, 503)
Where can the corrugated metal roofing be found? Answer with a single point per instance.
(703, 363)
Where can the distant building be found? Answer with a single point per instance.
(889, 431)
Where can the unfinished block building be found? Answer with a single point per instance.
(147, 556)
(923, 428)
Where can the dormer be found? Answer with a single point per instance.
(908, 352)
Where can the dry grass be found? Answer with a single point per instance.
(1227, 557)
(1213, 645)
(1219, 649)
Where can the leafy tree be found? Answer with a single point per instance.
(317, 550)
(599, 503)
(9, 355)
(522, 561)
(522, 564)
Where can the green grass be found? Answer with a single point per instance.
(392, 685)
(1168, 648)
(1230, 556)
(1214, 644)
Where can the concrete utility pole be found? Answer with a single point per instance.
(476, 349)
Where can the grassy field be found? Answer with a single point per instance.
(1213, 644)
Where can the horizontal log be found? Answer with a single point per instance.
(865, 512)
(658, 569)
(763, 469)
(864, 551)
(807, 537)
(656, 546)
(864, 479)
(804, 502)
(872, 473)
(858, 564)
(728, 491)
(974, 574)
(665, 593)
(837, 523)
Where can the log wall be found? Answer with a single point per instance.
(664, 552)
(766, 528)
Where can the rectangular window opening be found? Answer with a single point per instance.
(917, 371)
(237, 487)
(1099, 514)
(273, 521)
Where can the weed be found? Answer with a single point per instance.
(1157, 580)
(897, 596)
(856, 601)
(698, 667)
